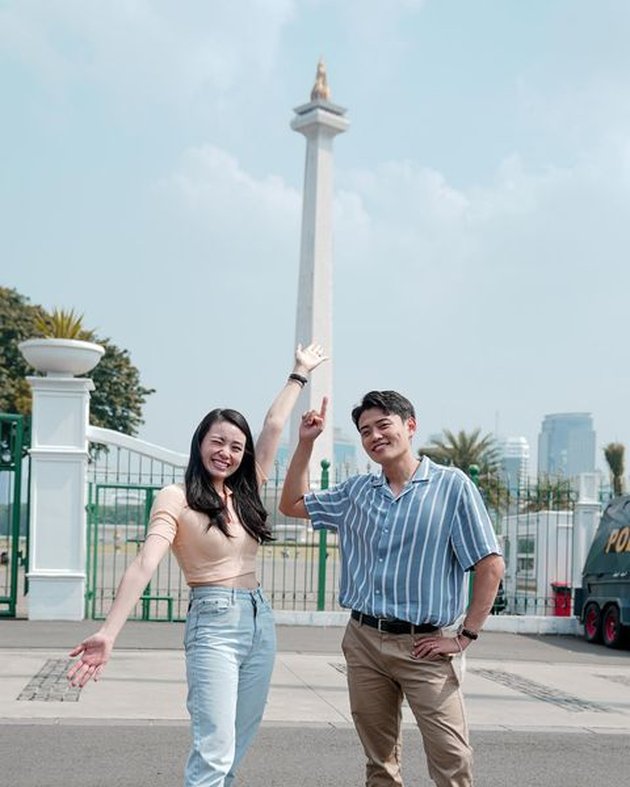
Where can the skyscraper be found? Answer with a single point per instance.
(566, 445)
(514, 460)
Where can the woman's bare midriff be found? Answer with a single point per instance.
(244, 582)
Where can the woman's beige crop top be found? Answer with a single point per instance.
(203, 555)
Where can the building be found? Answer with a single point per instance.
(514, 460)
(566, 445)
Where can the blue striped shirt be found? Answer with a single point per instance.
(404, 557)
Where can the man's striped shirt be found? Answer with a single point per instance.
(404, 557)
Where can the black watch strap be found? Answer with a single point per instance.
(469, 634)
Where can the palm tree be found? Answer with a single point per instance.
(62, 324)
(463, 450)
(614, 453)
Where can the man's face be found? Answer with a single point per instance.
(385, 436)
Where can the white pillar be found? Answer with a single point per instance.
(59, 456)
(586, 516)
(319, 121)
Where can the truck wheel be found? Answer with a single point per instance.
(592, 622)
(611, 627)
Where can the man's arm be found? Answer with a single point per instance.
(488, 573)
(296, 483)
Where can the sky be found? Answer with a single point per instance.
(151, 181)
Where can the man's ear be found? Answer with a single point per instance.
(411, 427)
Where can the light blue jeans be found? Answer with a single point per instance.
(230, 643)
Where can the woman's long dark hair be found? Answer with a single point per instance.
(201, 494)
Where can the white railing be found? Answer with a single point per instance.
(96, 434)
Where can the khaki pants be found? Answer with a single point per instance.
(381, 672)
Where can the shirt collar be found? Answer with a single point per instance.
(421, 474)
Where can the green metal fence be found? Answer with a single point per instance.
(534, 525)
(14, 501)
(298, 570)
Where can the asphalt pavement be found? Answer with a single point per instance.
(543, 710)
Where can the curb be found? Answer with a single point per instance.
(508, 624)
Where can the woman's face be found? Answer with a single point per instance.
(222, 450)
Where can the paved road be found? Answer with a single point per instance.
(153, 756)
(550, 711)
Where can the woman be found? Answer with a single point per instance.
(214, 523)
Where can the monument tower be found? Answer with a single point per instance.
(320, 121)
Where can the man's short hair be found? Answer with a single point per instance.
(390, 402)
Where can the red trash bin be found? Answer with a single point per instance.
(561, 599)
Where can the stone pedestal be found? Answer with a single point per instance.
(59, 457)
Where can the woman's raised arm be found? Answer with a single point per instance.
(306, 359)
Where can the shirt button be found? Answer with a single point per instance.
(386, 530)
(378, 592)
(380, 560)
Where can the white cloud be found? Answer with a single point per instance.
(576, 115)
(211, 189)
(502, 296)
(146, 46)
(471, 296)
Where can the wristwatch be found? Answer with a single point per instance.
(472, 635)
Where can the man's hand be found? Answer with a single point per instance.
(296, 482)
(435, 648)
(313, 423)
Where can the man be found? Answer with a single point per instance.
(406, 538)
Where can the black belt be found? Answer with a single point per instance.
(392, 626)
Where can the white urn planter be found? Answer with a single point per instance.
(61, 357)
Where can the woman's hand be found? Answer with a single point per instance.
(313, 422)
(308, 358)
(94, 653)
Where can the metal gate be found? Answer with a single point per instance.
(14, 502)
(299, 569)
(118, 515)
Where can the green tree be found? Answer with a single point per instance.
(116, 403)
(18, 321)
(615, 454)
(119, 396)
